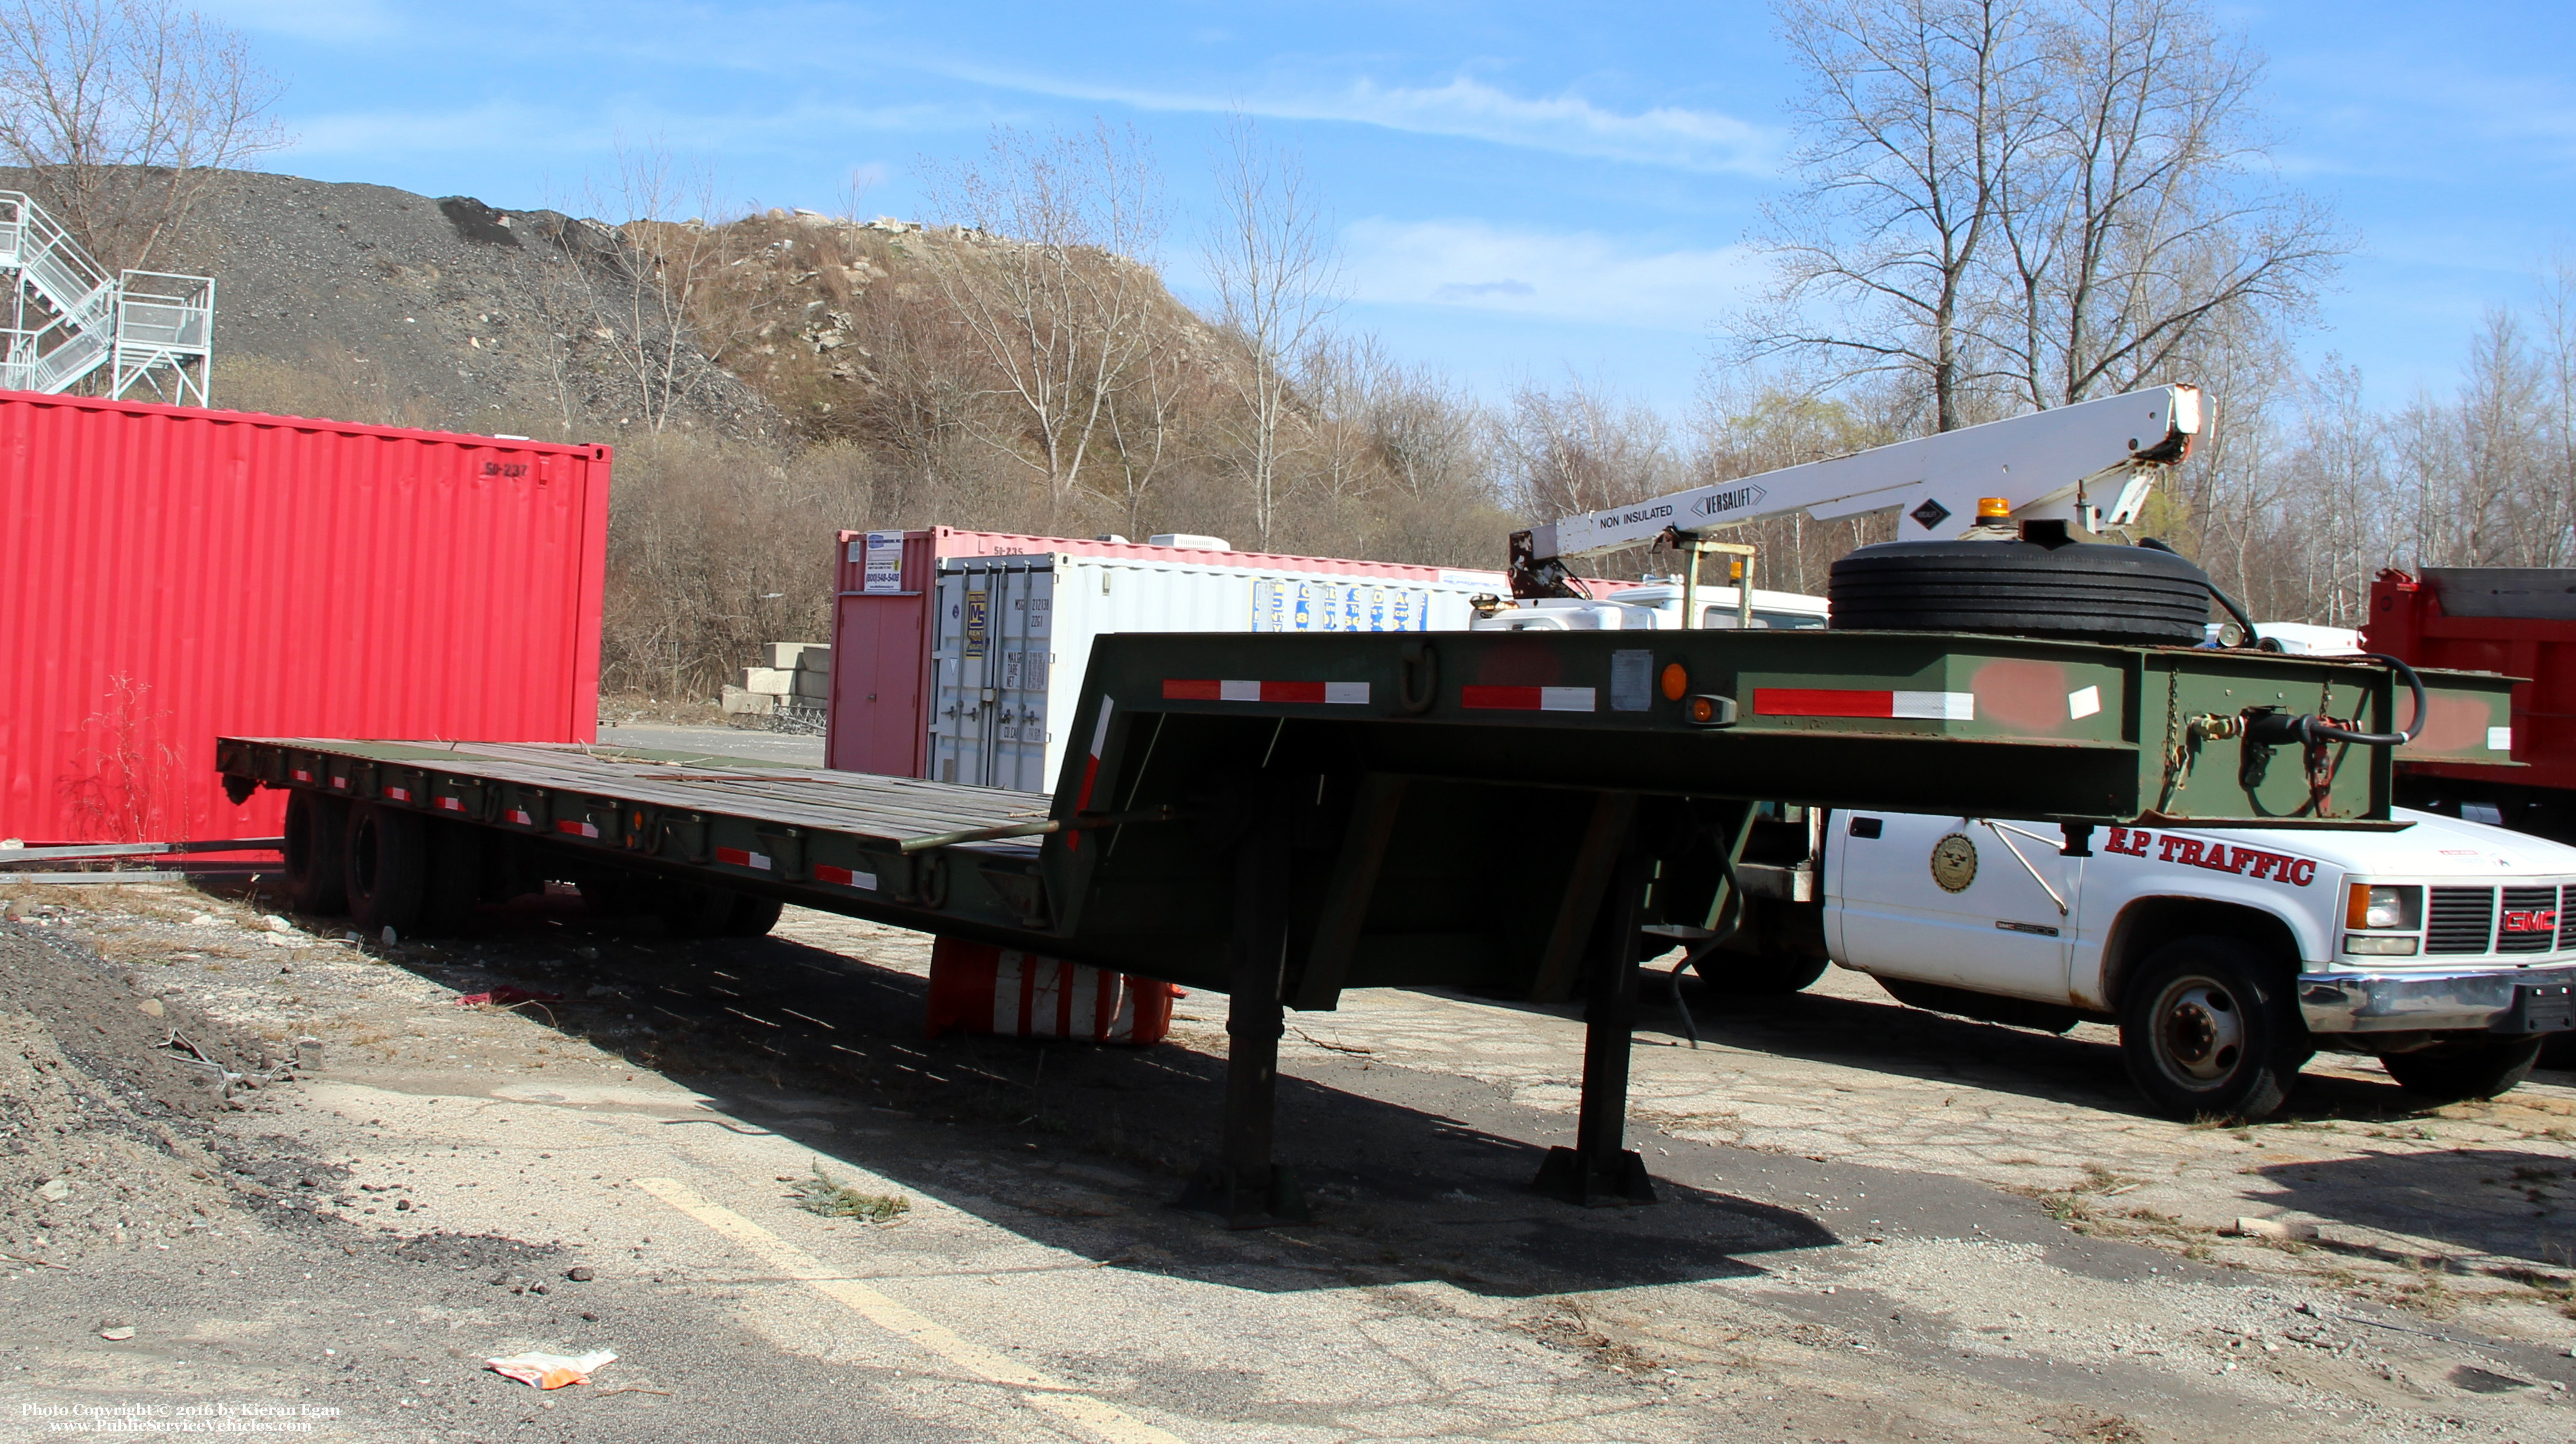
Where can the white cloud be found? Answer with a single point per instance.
(1667, 136)
(1570, 275)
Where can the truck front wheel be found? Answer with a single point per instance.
(2455, 1072)
(2207, 1032)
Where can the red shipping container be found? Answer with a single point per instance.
(978, 988)
(176, 574)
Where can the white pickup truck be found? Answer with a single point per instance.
(2226, 957)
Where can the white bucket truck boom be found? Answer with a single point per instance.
(2090, 465)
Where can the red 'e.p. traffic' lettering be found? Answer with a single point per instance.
(2251, 862)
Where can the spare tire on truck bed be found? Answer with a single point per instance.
(2081, 591)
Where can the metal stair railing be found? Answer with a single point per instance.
(68, 316)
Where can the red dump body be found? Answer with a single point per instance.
(2521, 622)
(174, 574)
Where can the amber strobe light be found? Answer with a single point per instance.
(1993, 510)
(1676, 681)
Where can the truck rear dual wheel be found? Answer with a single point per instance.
(695, 910)
(1757, 975)
(316, 834)
(2457, 1072)
(2209, 1030)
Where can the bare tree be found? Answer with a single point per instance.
(2026, 202)
(2135, 219)
(1916, 113)
(121, 110)
(1271, 261)
(1054, 283)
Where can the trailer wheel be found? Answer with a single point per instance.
(695, 910)
(316, 835)
(2208, 1032)
(1757, 975)
(2135, 596)
(453, 890)
(385, 867)
(752, 917)
(2457, 1072)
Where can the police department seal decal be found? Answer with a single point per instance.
(1954, 862)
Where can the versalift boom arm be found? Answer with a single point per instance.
(2091, 464)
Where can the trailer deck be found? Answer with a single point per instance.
(1282, 817)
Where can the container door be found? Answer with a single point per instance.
(876, 714)
(952, 723)
(1025, 630)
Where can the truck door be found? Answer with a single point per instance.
(1964, 901)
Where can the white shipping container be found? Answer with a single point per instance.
(1013, 636)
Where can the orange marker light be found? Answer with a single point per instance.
(1703, 710)
(2356, 905)
(1676, 681)
(1993, 509)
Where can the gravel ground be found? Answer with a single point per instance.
(1892, 1235)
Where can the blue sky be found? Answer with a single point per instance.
(1520, 189)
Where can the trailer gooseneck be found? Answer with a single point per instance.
(1284, 817)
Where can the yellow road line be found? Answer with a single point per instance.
(1052, 1395)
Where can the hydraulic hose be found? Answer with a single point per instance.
(2320, 730)
(2252, 638)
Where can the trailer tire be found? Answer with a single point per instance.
(2130, 596)
(385, 867)
(1757, 975)
(316, 836)
(2458, 1072)
(752, 917)
(694, 910)
(2208, 1030)
(453, 891)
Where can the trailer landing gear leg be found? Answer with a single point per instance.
(1599, 1169)
(1243, 1186)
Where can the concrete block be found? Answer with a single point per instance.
(788, 656)
(816, 659)
(813, 686)
(775, 682)
(739, 703)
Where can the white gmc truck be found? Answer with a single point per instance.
(2226, 957)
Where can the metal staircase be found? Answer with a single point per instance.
(67, 318)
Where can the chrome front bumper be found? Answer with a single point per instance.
(2488, 999)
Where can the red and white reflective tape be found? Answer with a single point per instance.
(1090, 768)
(1847, 702)
(520, 816)
(399, 794)
(1528, 699)
(340, 782)
(739, 858)
(1180, 689)
(448, 804)
(843, 877)
(301, 775)
(577, 829)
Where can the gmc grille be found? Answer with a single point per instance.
(2566, 924)
(2530, 923)
(2460, 920)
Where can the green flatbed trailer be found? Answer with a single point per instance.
(1283, 817)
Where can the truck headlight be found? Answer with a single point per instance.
(2383, 908)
